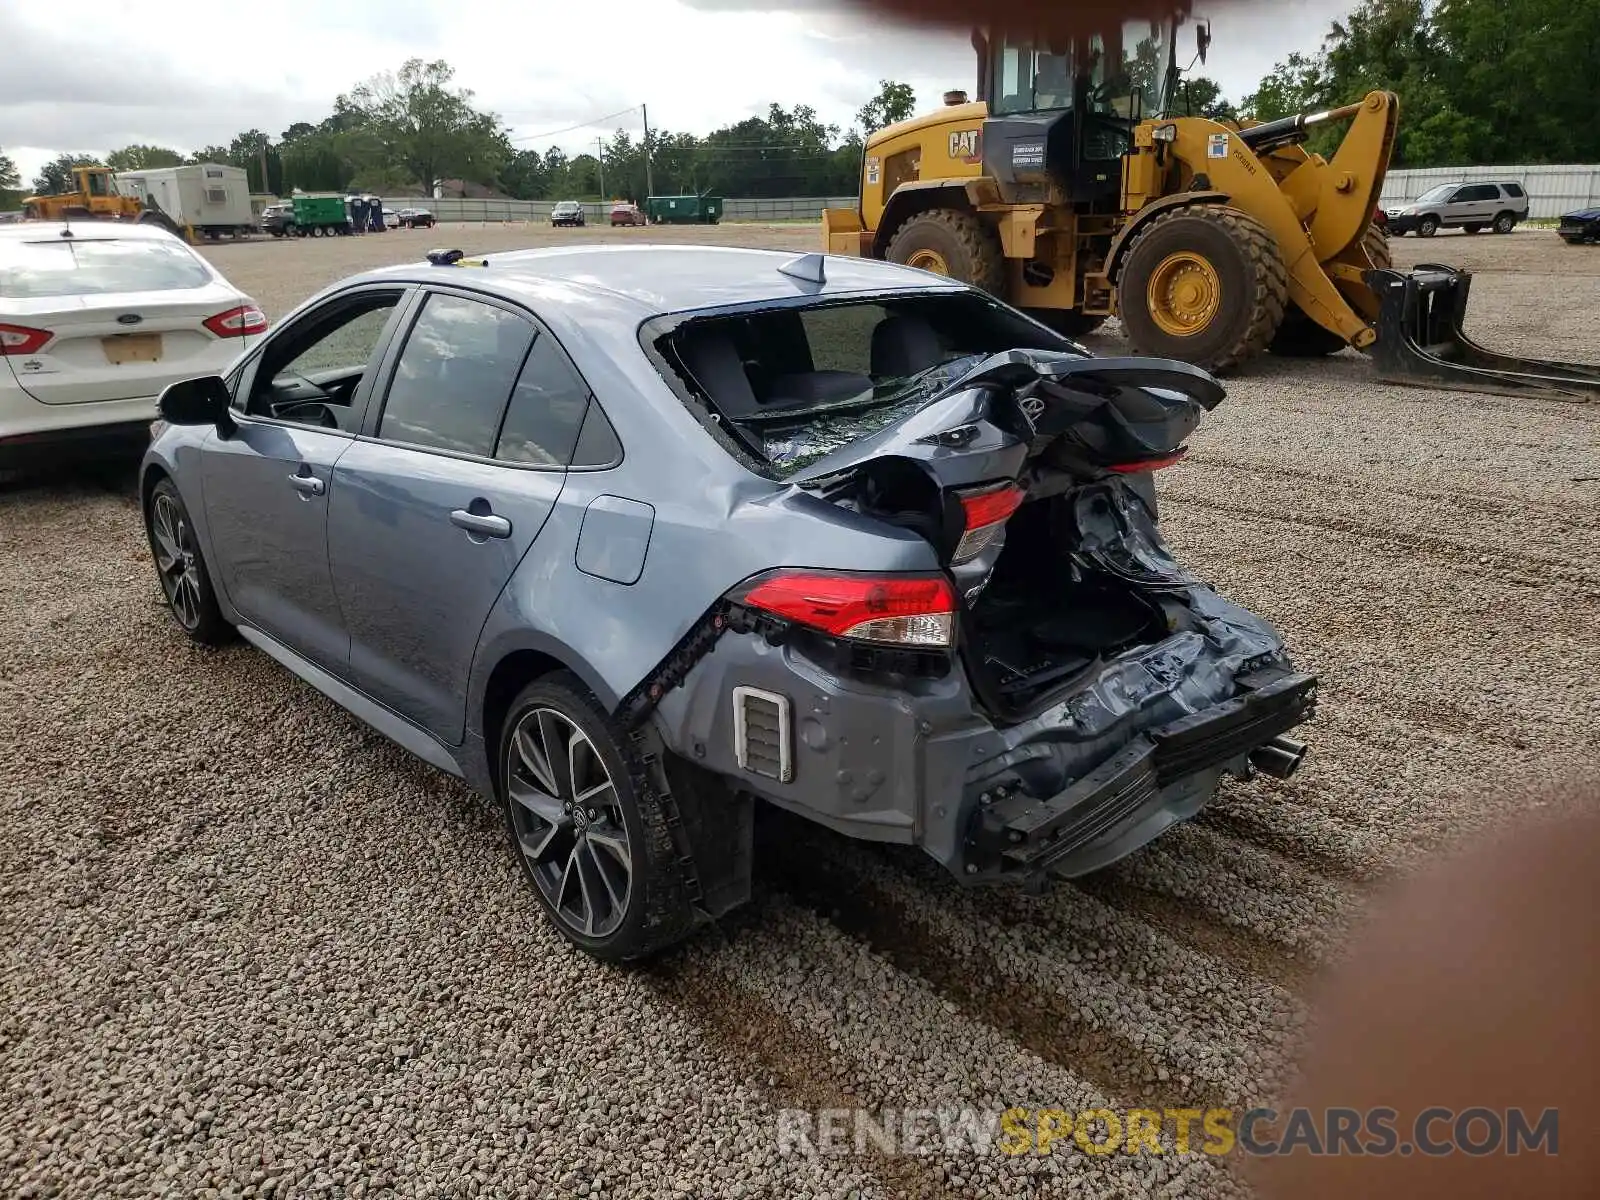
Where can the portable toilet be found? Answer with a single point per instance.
(375, 222)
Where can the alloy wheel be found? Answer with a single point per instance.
(568, 822)
(177, 559)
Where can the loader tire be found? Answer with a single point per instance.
(1205, 284)
(1301, 337)
(950, 242)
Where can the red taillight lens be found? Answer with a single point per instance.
(1149, 464)
(20, 339)
(985, 514)
(237, 322)
(903, 610)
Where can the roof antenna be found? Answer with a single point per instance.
(808, 268)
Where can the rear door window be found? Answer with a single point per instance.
(97, 267)
(547, 409)
(455, 375)
(1514, 191)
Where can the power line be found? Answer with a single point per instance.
(539, 137)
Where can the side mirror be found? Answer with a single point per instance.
(202, 401)
(1202, 38)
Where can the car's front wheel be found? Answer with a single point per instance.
(588, 824)
(185, 580)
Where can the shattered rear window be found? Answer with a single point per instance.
(793, 384)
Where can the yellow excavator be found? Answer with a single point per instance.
(95, 198)
(1076, 188)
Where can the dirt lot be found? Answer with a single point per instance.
(251, 948)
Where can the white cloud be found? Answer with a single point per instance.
(120, 77)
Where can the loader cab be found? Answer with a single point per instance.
(94, 181)
(1062, 114)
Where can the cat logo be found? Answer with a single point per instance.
(964, 145)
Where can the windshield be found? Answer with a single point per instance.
(97, 267)
(1030, 77)
(1434, 195)
(794, 384)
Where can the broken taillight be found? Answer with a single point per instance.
(985, 513)
(899, 610)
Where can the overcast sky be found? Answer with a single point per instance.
(121, 71)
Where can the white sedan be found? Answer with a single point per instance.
(95, 319)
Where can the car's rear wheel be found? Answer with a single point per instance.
(1505, 223)
(185, 580)
(588, 825)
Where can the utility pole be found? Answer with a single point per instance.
(649, 181)
(601, 146)
(266, 184)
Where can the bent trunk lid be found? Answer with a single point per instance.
(1010, 409)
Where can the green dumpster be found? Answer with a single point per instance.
(683, 210)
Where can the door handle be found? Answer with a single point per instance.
(309, 485)
(487, 525)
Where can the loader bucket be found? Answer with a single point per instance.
(1421, 342)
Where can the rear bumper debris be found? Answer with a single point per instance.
(1164, 775)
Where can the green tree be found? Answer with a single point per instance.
(10, 183)
(429, 128)
(1295, 85)
(211, 154)
(894, 102)
(143, 158)
(55, 177)
(1202, 97)
(523, 176)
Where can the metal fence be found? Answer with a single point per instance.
(792, 208)
(1552, 190)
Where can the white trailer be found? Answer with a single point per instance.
(211, 198)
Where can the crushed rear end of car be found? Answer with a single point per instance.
(1055, 689)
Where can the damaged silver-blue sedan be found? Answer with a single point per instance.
(633, 538)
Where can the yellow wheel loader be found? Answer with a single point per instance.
(1069, 189)
(96, 198)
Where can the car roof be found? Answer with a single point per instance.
(83, 231)
(656, 280)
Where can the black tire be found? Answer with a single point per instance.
(1301, 337)
(656, 912)
(1505, 222)
(1473, 228)
(185, 578)
(969, 249)
(1428, 226)
(1067, 322)
(1252, 282)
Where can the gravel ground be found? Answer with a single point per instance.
(253, 949)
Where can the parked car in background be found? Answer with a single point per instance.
(674, 570)
(278, 220)
(415, 218)
(1473, 207)
(93, 324)
(624, 213)
(567, 212)
(1580, 228)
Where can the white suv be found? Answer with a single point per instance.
(1473, 207)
